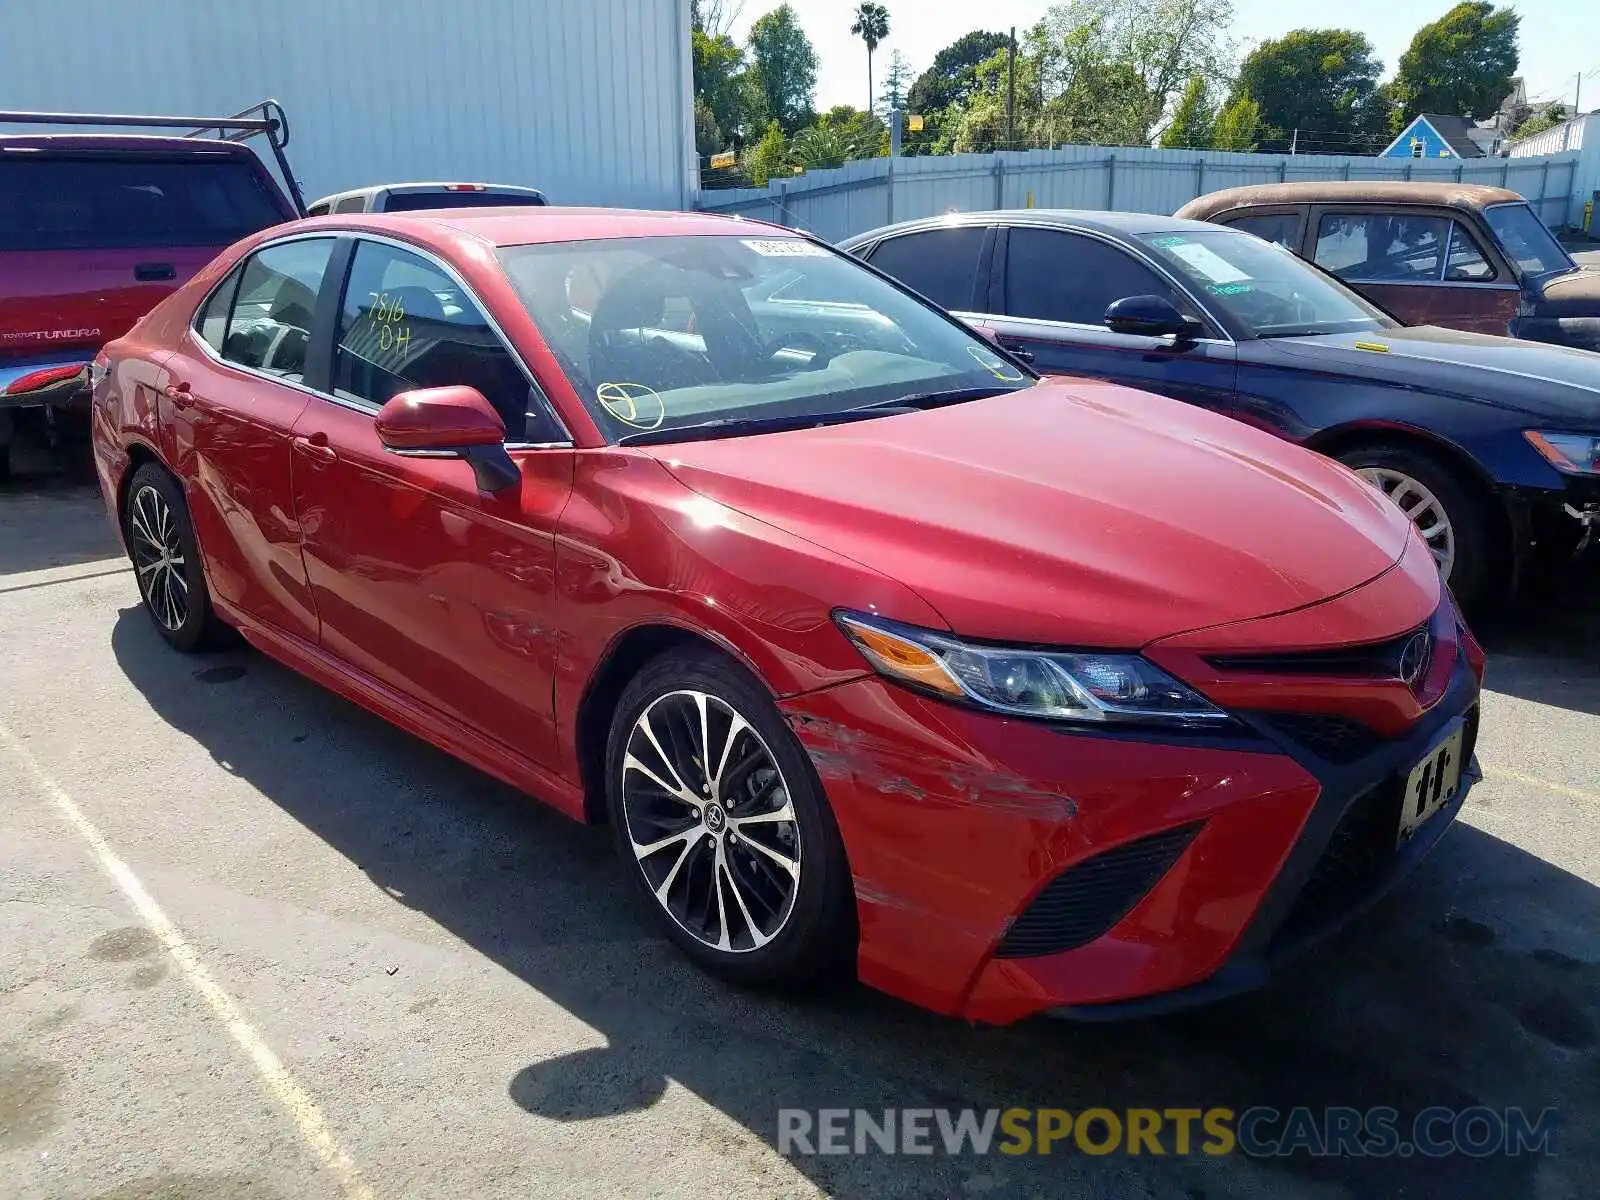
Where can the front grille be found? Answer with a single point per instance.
(1084, 901)
(1375, 660)
(1334, 738)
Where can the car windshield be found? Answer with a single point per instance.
(1526, 239)
(1264, 288)
(723, 332)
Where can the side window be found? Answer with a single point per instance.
(211, 322)
(1382, 247)
(1055, 276)
(1466, 263)
(351, 204)
(407, 324)
(317, 210)
(1283, 228)
(270, 328)
(942, 264)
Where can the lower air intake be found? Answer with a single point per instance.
(1084, 901)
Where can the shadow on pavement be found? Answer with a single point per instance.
(1546, 647)
(50, 511)
(1476, 983)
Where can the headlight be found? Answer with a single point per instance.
(1573, 453)
(1089, 687)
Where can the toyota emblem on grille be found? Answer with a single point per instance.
(1414, 658)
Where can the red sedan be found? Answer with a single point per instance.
(875, 651)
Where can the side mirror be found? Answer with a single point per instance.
(1151, 316)
(450, 422)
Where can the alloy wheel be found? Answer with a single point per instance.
(710, 821)
(1424, 509)
(158, 557)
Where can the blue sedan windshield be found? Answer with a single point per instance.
(1265, 289)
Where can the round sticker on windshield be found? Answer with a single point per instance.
(633, 404)
(995, 365)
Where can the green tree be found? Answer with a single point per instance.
(896, 83)
(1192, 122)
(954, 72)
(707, 136)
(840, 135)
(768, 157)
(1236, 125)
(872, 27)
(1548, 117)
(719, 84)
(1321, 82)
(783, 68)
(1460, 65)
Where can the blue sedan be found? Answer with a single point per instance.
(1490, 445)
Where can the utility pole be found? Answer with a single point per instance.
(1011, 93)
(1294, 140)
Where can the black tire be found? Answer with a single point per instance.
(815, 943)
(199, 627)
(1481, 554)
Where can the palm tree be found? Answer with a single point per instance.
(872, 27)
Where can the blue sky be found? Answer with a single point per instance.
(919, 29)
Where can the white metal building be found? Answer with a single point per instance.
(589, 100)
(1577, 133)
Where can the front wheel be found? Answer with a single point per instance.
(721, 821)
(166, 559)
(1455, 523)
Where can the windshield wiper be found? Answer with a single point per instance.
(742, 426)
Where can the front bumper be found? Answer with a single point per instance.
(956, 822)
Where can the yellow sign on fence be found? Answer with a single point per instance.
(914, 122)
(725, 159)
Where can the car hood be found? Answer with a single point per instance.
(1575, 294)
(1074, 513)
(1531, 377)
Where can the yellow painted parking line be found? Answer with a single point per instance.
(276, 1079)
(1559, 789)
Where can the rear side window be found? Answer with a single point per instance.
(1283, 228)
(942, 264)
(1382, 247)
(1054, 276)
(51, 203)
(415, 201)
(270, 327)
(352, 204)
(407, 324)
(211, 322)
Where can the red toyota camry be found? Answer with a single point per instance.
(874, 650)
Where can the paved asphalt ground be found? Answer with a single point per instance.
(257, 945)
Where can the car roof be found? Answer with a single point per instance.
(80, 143)
(1355, 191)
(521, 226)
(1125, 224)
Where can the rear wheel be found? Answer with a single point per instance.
(1457, 524)
(723, 825)
(161, 542)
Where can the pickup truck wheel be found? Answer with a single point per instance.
(1456, 523)
(723, 825)
(166, 559)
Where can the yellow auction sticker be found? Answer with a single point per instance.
(633, 404)
(1375, 347)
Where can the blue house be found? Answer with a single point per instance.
(1432, 135)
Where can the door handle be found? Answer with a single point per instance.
(154, 272)
(180, 395)
(316, 446)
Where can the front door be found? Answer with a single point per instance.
(1423, 265)
(1056, 289)
(422, 582)
(233, 393)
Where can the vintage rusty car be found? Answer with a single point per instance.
(1464, 256)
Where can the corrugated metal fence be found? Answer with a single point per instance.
(863, 195)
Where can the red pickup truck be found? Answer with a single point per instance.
(96, 228)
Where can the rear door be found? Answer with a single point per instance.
(91, 241)
(947, 264)
(234, 391)
(1053, 289)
